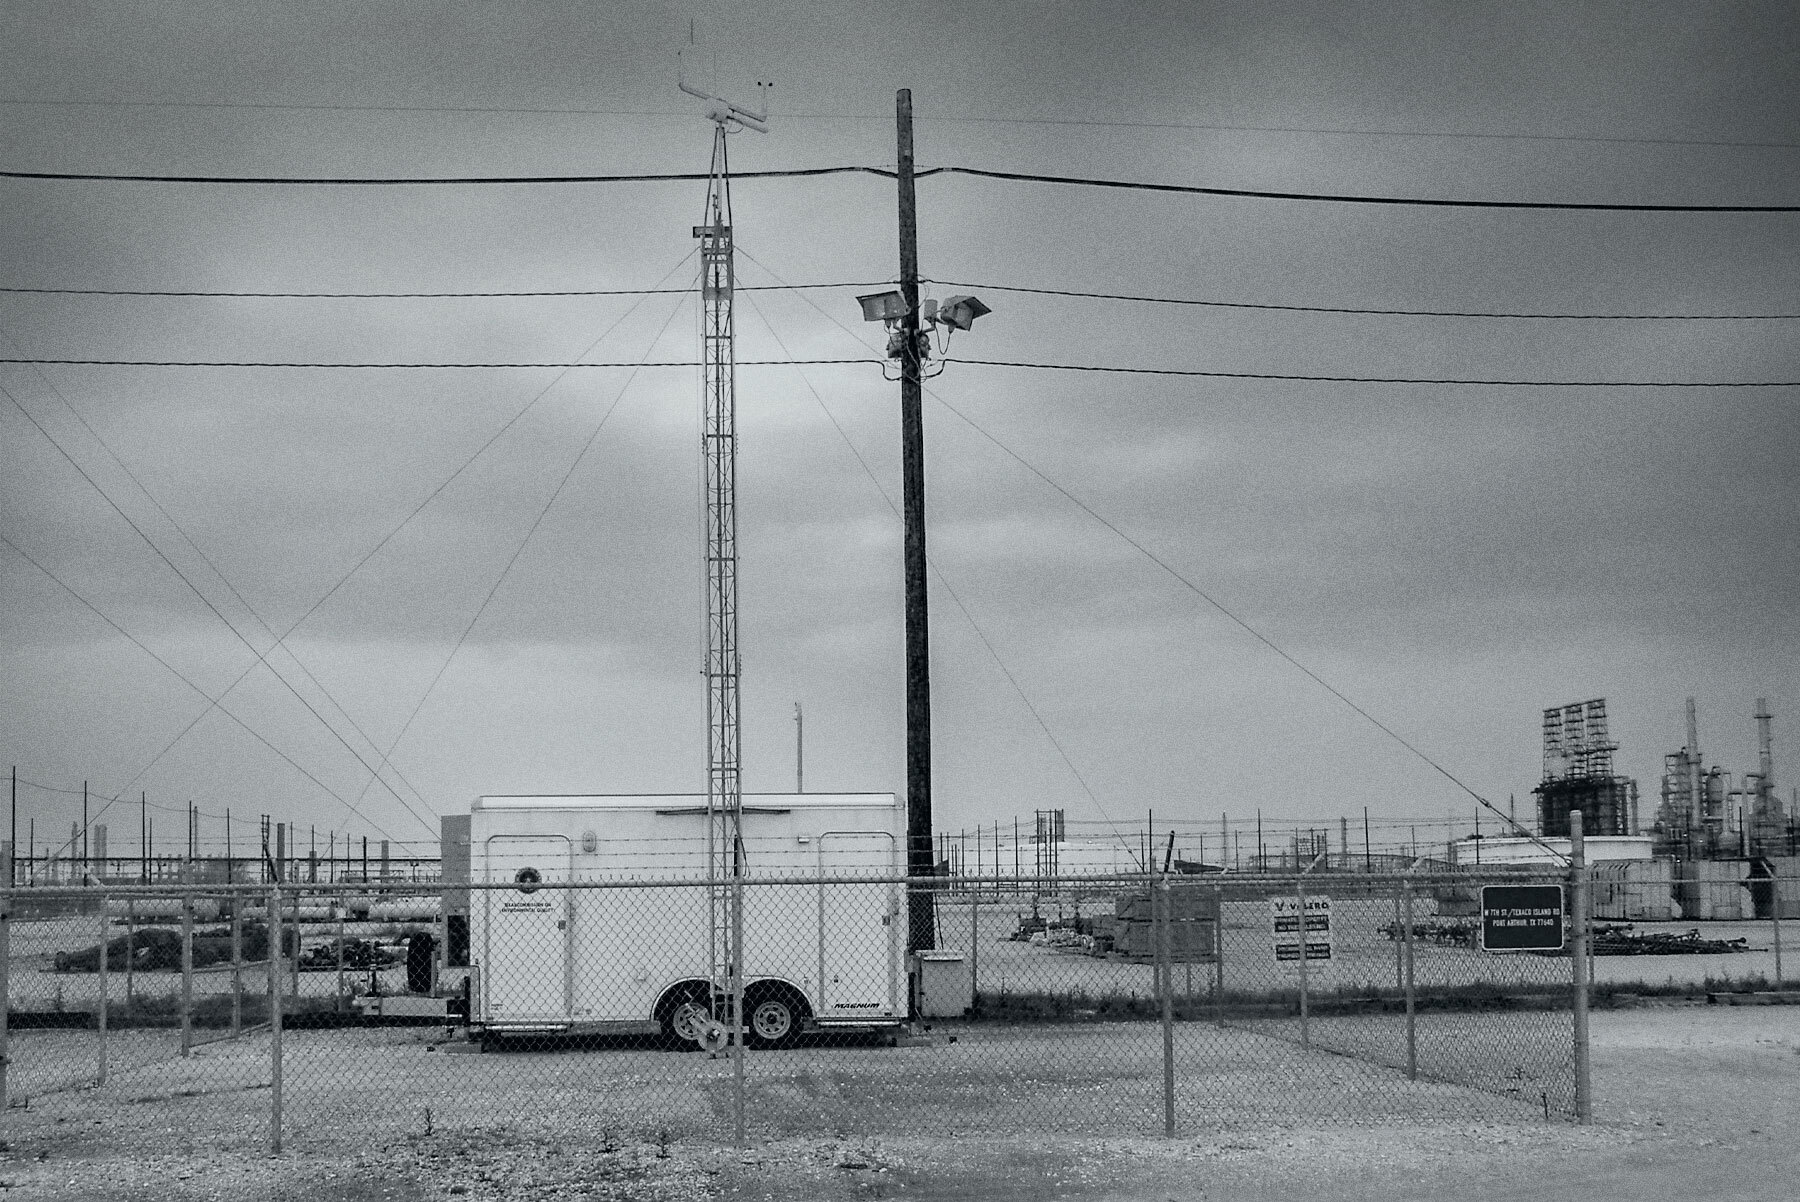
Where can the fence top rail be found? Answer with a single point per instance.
(1258, 884)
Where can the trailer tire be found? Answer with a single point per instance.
(774, 1014)
(682, 1015)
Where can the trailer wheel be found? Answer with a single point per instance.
(775, 1014)
(683, 1016)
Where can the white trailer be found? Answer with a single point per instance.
(635, 956)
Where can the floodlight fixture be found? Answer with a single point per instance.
(960, 312)
(882, 306)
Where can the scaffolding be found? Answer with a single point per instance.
(1578, 774)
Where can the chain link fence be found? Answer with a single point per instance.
(607, 1010)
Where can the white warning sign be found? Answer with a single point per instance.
(1296, 936)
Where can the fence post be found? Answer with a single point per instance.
(1578, 953)
(1412, 1025)
(294, 969)
(1305, 1025)
(187, 959)
(6, 906)
(130, 952)
(100, 1014)
(275, 1017)
(1775, 919)
(737, 1005)
(1219, 956)
(339, 907)
(975, 948)
(237, 963)
(1167, 974)
(1399, 952)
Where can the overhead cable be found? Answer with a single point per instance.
(985, 287)
(1339, 198)
(420, 295)
(795, 173)
(918, 117)
(365, 181)
(557, 111)
(1219, 304)
(1073, 367)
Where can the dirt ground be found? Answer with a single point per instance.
(1693, 1102)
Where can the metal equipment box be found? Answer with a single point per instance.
(946, 985)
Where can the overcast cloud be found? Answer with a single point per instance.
(1455, 558)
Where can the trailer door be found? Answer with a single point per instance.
(858, 952)
(525, 956)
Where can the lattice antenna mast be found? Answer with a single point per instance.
(718, 437)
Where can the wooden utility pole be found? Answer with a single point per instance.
(921, 927)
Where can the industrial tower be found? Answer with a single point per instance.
(1578, 774)
(718, 445)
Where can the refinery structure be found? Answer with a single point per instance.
(1707, 813)
(1697, 853)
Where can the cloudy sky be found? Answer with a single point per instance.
(1452, 557)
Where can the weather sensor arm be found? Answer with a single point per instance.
(722, 110)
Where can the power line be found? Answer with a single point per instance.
(547, 110)
(1218, 304)
(986, 287)
(1016, 363)
(363, 181)
(1496, 383)
(1338, 198)
(399, 366)
(795, 173)
(417, 295)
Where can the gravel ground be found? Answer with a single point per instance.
(1694, 1102)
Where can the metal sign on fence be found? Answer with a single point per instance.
(1517, 918)
(1284, 915)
